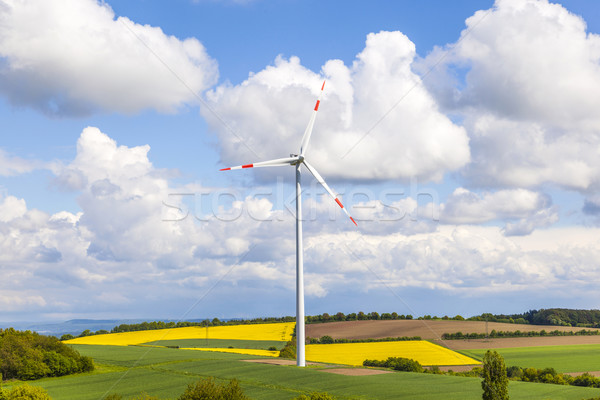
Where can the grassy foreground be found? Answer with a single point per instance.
(570, 358)
(166, 372)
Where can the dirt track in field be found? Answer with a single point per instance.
(433, 330)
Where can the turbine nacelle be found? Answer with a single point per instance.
(299, 159)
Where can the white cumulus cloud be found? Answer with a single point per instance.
(523, 210)
(376, 119)
(529, 97)
(72, 57)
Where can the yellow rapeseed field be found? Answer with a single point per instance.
(252, 352)
(276, 331)
(422, 351)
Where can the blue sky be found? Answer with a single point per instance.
(462, 135)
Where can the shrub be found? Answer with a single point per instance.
(434, 370)
(530, 375)
(289, 351)
(397, 363)
(207, 389)
(326, 340)
(316, 396)
(586, 380)
(26, 392)
(145, 396)
(514, 372)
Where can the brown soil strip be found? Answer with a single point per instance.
(356, 371)
(593, 373)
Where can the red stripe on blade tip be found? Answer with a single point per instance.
(248, 166)
(339, 203)
(323, 85)
(317, 105)
(225, 169)
(354, 221)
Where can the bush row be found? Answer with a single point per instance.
(328, 339)
(396, 363)
(517, 333)
(549, 375)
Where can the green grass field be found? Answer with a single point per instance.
(571, 358)
(222, 343)
(166, 372)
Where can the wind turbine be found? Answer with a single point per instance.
(297, 160)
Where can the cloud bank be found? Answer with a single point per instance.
(136, 240)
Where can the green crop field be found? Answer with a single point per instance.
(166, 372)
(222, 343)
(571, 358)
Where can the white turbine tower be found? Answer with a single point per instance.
(297, 160)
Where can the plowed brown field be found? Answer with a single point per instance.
(433, 330)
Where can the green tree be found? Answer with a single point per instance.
(28, 355)
(495, 381)
(26, 392)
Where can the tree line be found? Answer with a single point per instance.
(550, 316)
(329, 340)
(517, 333)
(359, 316)
(27, 355)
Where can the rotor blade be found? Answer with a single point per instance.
(271, 163)
(320, 179)
(311, 123)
